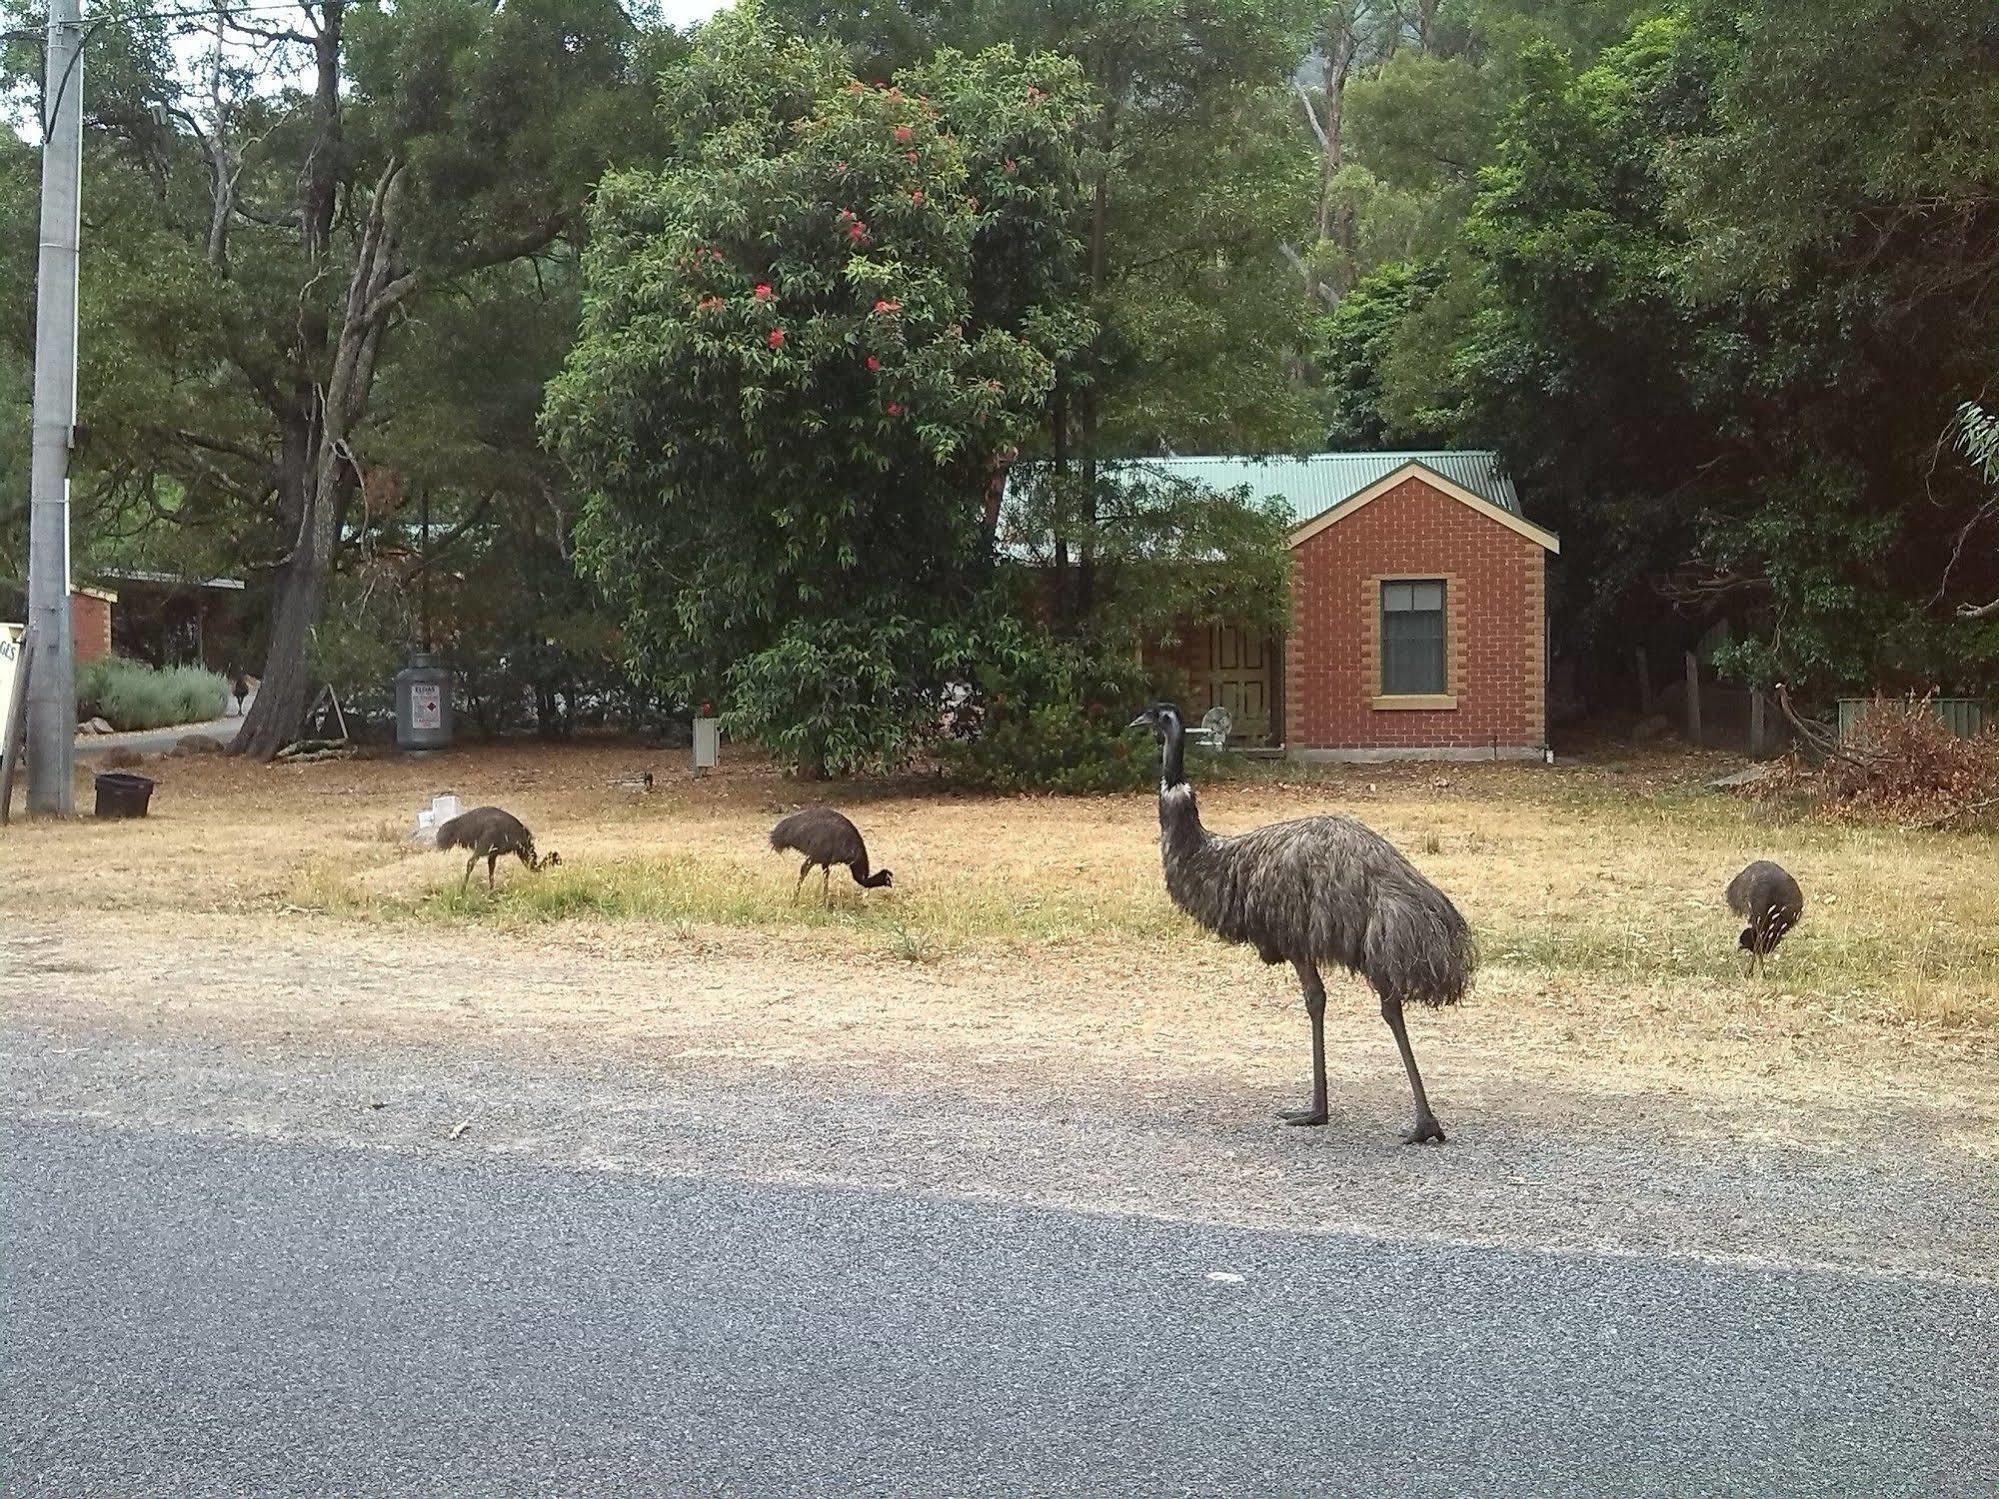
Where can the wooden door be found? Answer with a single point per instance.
(1237, 673)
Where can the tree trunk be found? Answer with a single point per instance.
(324, 489)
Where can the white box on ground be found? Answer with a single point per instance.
(429, 819)
(707, 742)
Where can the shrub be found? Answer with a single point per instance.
(1902, 762)
(1049, 715)
(132, 695)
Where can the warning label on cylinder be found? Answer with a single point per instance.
(426, 705)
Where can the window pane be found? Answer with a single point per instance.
(1412, 638)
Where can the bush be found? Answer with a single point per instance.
(1049, 715)
(132, 695)
(1902, 762)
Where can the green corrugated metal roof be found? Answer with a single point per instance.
(1313, 484)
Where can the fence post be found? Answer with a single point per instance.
(1756, 723)
(1693, 698)
(1644, 684)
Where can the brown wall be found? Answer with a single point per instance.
(1494, 611)
(90, 626)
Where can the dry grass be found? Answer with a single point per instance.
(1595, 890)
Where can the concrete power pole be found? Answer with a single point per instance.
(52, 694)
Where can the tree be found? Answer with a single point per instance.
(807, 340)
(268, 243)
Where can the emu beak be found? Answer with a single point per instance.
(1143, 721)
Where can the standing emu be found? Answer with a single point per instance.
(239, 688)
(1769, 900)
(1315, 890)
(826, 838)
(490, 833)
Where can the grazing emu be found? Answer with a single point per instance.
(1765, 896)
(490, 833)
(826, 838)
(1315, 890)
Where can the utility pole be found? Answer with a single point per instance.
(52, 693)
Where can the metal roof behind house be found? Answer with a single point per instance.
(1313, 484)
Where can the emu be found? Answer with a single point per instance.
(826, 838)
(239, 688)
(1766, 897)
(491, 833)
(1311, 891)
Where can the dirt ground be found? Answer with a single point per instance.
(1026, 966)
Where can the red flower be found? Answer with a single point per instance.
(902, 132)
(917, 196)
(909, 156)
(883, 304)
(874, 363)
(708, 304)
(1007, 166)
(762, 292)
(857, 230)
(892, 409)
(775, 338)
(714, 254)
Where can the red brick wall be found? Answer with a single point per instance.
(89, 626)
(1494, 606)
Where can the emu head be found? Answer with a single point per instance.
(1747, 941)
(1159, 717)
(548, 860)
(881, 879)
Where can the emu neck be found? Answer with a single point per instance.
(1179, 817)
(859, 870)
(1172, 756)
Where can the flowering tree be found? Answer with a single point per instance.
(806, 342)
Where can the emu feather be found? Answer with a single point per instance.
(1310, 891)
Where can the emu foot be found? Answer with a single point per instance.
(1302, 1116)
(1427, 1130)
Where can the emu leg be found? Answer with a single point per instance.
(492, 863)
(803, 870)
(468, 873)
(1315, 1008)
(825, 884)
(1427, 1127)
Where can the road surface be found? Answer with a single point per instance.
(303, 1268)
(159, 741)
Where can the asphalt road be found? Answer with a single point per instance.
(159, 741)
(199, 1314)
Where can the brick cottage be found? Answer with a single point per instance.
(1418, 613)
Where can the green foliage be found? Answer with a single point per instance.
(1718, 331)
(1050, 716)
(132, 695)
(806, 340)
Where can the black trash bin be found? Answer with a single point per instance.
(122, 794)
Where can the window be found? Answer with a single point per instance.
(1412, 638)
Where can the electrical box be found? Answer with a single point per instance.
(707, 742)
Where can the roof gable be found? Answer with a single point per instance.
(1443, 484)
